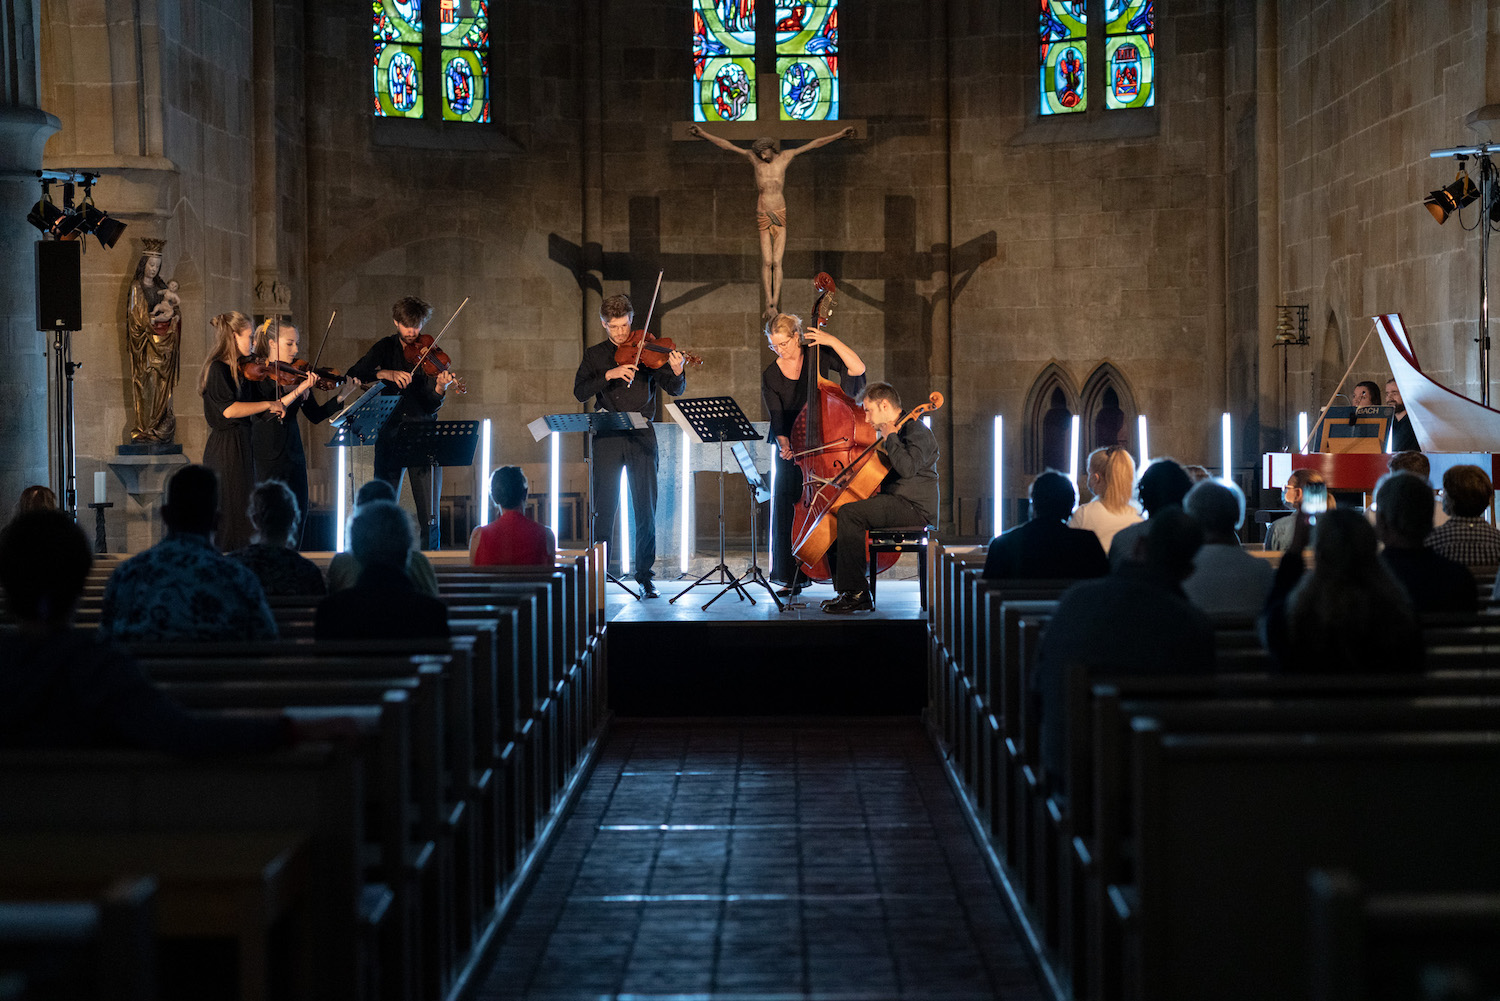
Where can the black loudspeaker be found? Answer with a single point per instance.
(59, 285)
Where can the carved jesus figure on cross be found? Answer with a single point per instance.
(770, 163)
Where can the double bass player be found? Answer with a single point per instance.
(908, 495)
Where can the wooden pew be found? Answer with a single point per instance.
(100, 945)
(1229, 825)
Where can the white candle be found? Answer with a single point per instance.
(99, 487)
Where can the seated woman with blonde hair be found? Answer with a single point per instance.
(1111, 480)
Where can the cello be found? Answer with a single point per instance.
(827, 436)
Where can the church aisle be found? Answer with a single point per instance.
(760, 859)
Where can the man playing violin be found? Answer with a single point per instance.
(624, 388)
(908, 495)
(421, 397)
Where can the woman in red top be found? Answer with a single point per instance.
(511, 539)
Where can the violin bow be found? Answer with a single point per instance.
(428, 349)
(326, 331)
(646, 330)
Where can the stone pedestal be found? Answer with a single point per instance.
(145, 478)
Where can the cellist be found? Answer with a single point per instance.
(783, 390)
(908, 495)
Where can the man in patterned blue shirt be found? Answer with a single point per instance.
(182, 588)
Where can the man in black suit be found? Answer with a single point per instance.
(1045, 547)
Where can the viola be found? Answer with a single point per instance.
(288, 373)
(420, 353)
(633, 351)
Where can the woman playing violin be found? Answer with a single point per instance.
(422, 394)
(229, 404)
(783, 390)
(277, 440)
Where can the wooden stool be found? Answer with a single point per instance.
(899, 540)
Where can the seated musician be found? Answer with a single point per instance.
(183, 588)
(511, 539)
(1045, 547)
(383, 604)
(61, 688)
(908, 496)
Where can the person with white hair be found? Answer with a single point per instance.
(383, 604)
(1225, 580)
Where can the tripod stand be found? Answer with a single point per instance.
(589, 424)
(715, 419)
(759, 494)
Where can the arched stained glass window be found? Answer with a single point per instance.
(726, 42)
(1128, 42)
(459, 50)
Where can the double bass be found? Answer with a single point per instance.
(831, 441)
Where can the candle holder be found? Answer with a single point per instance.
(100, 542)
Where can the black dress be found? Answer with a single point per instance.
(228, 452)
(277, 444)
(784, 399)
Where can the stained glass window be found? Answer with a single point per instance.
(1129, 42)
(461, 55)
(807, 62)
(1064, 56)
(724, 61)
(465, 29)
(807, 59)
(398, 58)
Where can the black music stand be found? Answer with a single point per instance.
(434, 444)
(360, 422)
(760, 492)
(706, 420)
(591, 424)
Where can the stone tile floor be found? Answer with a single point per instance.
(764, 860)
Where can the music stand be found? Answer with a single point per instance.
(591, 424)
(360, 422)
(434, 444)
(760, 492)
(1355, 430)
(705, 420)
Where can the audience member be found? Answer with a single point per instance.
(1403, 519)
(1111, 479)
(183, 588)
(1045, 547)
(36, 498)
(511, 539)
(272, 554)
(1279, 532)
(1350, 615)
(344, 570)
(1162, 485)
(382, 604)
(1466, 537)
(1134, 621)
(1415, 462)
(1197, 474)
(1225, 580)
(60, 688)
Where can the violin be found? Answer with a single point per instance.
(286, 373)
(633, 351)
(423, 354)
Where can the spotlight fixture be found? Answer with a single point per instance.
(1447, 200)
(73, 222)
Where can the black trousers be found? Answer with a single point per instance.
(635, 452)
(849, 555)
(783, 501)
(426, 486)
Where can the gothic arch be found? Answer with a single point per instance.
(1332, 362)
(1108, 408)
(1050, 406)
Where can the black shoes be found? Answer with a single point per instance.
(850, 601)
(648, 589)
(789, 590)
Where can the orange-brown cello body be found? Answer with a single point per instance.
(829, 436)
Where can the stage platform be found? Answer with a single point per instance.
(735, 658)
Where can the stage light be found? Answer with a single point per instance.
(1073, 453)
(339, 524)
(1225, 431)
(625, 540)
(684, 502)
(998, 464)
(1140, 433)
(554, 488)
(105, 229)
(1302, 430)
(70, 222)
(483, 500)
(1447, 200)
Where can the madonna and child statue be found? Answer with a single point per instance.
(153, 332)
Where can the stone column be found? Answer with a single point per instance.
(24, 129)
